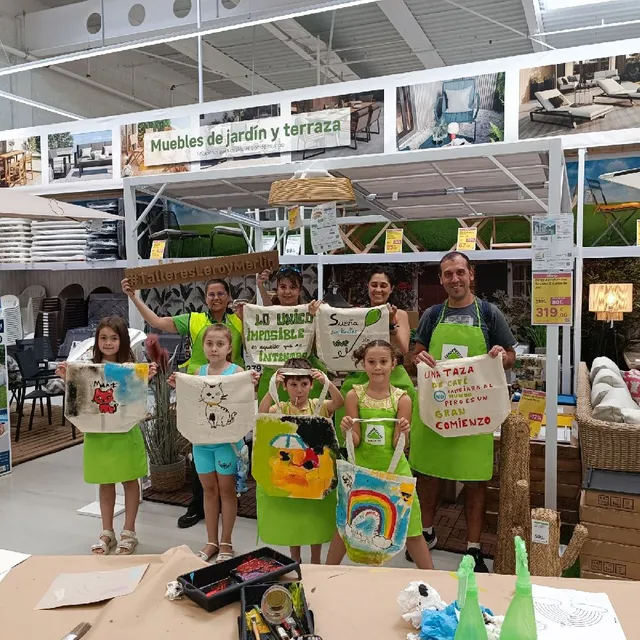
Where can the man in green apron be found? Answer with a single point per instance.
(463, 326)
(217, 299)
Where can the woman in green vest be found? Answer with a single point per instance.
(288, 294)
(217, 296)
(380, 285)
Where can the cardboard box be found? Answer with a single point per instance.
(608, 517)
(609, 500)
(620, 560)
(589, 575)
(619, 535)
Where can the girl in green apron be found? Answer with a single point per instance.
(469, 458)
(295, 522)
(288, 294)
(114, 457)
(375, 444)
(380, 287)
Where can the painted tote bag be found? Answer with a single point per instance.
(295, 456)
(215, 409)
(341, 331)
(106, 398)
(463, 397)
(373, 507)
(272, 335)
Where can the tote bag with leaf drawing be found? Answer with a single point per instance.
(295, 456)
(215, 409)
(373, 507)
(341, 331)
(106, 398)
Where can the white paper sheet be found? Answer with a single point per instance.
(575, 615)
(10, 559)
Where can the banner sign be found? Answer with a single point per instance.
(106, 398)
(280, 134)
(467, 239)
(325, 232)
(5, 431)
(198, 270)
(274, 334)
(552, 298)
(463, 397)
(215, 409)
(393, 240)
(341, 331)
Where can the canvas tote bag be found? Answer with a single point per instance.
(341, 331)
(463, 397)
(373, 506)
(106, 398)
(274, 334)
(295, 456)
(215, 409)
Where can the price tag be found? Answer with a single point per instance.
(467, 238)
(157, 249)
(393, 240)
(540, 532)
(552, 299)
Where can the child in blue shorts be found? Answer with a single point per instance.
(216, 464)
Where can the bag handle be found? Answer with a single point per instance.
(273, 387)
(397, 453)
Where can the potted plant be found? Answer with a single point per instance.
(161, 436)
(537, 336)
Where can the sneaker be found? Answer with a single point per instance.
(432, 541)
(190, 518)
(476, 554)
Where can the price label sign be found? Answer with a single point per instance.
(157, 249)
(467, 238)
(552, 299)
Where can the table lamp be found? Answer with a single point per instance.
(610, 301)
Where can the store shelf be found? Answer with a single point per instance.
(62, 266)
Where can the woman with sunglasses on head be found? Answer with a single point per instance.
(380, 285)
(288, 294)
(217, 297)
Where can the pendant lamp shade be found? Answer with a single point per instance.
(311, 187)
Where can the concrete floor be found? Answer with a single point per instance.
(39, 500)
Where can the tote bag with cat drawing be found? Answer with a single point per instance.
(106, 398)
(215, 409)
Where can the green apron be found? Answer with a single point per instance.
(198, 322)
(295, 522)
(375, 452)
(268, 372)
(399, 379)
(468, 458)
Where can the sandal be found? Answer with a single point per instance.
(207, 557)
(104, 545)
(128, 543)
(223, 556)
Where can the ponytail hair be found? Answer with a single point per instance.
(360, 353)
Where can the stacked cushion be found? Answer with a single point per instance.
(15, 240)
(610, 396)
(58, 241)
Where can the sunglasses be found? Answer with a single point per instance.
(288, 269)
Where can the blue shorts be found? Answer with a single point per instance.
(221, 458)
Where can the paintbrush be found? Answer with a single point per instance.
(80, 631)
(252, 618)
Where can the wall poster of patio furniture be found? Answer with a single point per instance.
(580, 96)
(20, 162)
(80, 156)
(451, 112)
(611, 198)
(133, 152)
(209, 120)
(366, 125)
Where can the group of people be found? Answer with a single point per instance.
(461, 326)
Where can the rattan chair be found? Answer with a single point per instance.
(604, 445)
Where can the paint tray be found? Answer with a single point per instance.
(206, 587)
(251, 595)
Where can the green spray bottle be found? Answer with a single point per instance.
(520, 621)
(471, 625)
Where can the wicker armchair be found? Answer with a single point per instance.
(604, 445)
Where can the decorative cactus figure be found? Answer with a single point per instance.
(545, 559)
(514, 512)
